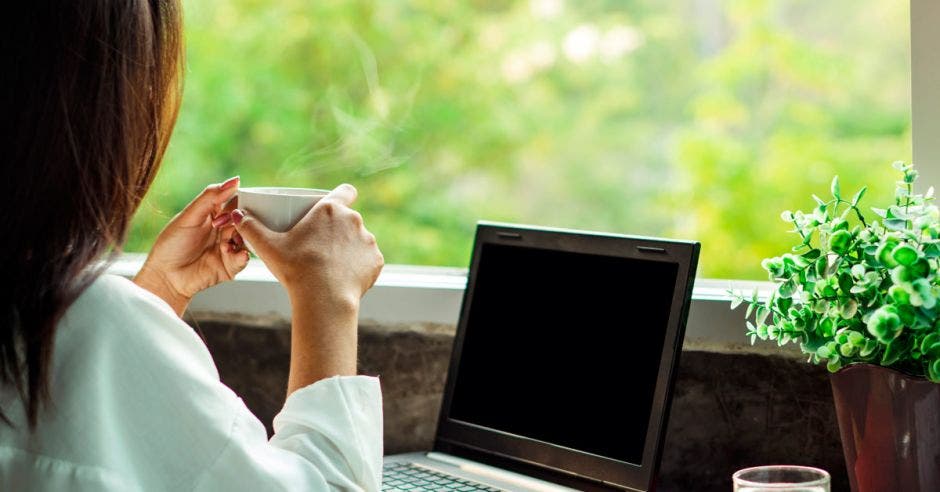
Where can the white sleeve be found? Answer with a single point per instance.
(327, 437)
(181, 428)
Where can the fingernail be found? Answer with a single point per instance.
(238, 216)
(230, 182)
(222, 220)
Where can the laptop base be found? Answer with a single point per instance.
(477, 472)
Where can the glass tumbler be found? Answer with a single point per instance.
(779, 478)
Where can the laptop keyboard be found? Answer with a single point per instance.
(415, 478)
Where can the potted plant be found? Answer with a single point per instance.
(862, 294)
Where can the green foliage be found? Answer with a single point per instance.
(854, 290)
(684, 122)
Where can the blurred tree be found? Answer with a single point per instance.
(696, 118)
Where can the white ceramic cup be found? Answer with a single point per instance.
(278, 208)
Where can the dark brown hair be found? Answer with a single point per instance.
(90, 96)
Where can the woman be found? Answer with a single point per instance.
(102, 386)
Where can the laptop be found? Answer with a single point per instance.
(562, 367)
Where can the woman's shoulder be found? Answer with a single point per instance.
(122, 352)
(112, 296)
(116, 315)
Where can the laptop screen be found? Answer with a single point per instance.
(564, 348)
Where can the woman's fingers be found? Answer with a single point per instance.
(222, 220)
(251, 229)
(225, 217)
(209, 202)
(344, 194)
(235, 260)
(232, 249)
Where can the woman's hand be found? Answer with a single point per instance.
(328, 255)
(326, 262)
(196, 250)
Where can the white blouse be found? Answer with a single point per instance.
(137, 405)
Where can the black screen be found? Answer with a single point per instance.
(564, 348)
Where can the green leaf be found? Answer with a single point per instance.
(772, 331)
(933, 371)
(783, 303)
(762, 332)
(930, 345)
(894, 351)
(932, 251)
(752, 303)
(896, 212)
(920, 268)
(906, 315)
(839, 224)
(901, 275)
(924, 291)
(811, 254)
(795, 262)
(787, 288)
(840, 241)
(736, 301)
(821, 264)
(811, 343)
(820, 214)
(895, 224)
(904, 254)
(858, 289)
(885, 324)
(868, 348)
(820, 306)
(845, 282)
(834, 364)
(899, 294)
(884, 255)
(849, 309)
(847, 350)
(858, 196)
(834, 188)
(761, 314)
(923, 321)
(856, 339)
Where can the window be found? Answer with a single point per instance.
(700, 119)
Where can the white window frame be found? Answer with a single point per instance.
(407, 294)
(418, 294)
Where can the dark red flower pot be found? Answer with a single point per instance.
(890, 426)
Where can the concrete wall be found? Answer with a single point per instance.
(731, 408)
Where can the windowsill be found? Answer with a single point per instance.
(418, 294)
